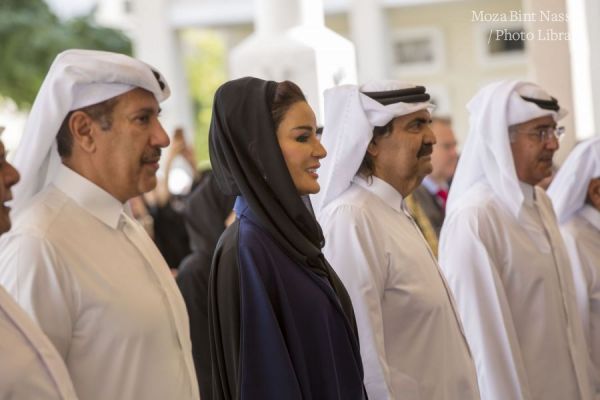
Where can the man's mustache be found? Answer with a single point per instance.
(425, 150)
(151, 156)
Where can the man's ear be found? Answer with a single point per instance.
(373, 149)
(593, 193)
(82, 127)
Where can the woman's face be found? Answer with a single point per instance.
(300, 146)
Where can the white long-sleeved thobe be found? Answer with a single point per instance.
(30, 366)
(512, 281)
(411, 341)
(582, 239)
(110, 307)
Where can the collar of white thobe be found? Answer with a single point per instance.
(89, 196)
(591, 214)
(383, 190)
(528, 193)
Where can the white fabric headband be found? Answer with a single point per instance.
(486, 154)
(77, 78)
(350, 117)
(569, 187)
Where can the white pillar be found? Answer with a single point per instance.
(276, 16)
(291, 42)
(585, 64)
(156, 43)
(549, 63)
(368, 28)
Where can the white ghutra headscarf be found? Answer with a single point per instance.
(569, 187)
(76, 79)
(350, 116)
(486, 155)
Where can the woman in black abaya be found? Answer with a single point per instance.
(281, 324)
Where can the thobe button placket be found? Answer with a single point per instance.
(555, 262)
(572, 350)
(142, 242)
(441, 275)
(146, 247)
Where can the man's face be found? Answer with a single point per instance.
(402, 158)
(128, 153)
(444, 157)
(533, 156)
(8, 177)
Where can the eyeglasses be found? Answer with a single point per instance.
(544, 134)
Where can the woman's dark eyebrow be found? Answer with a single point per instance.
(304, 128)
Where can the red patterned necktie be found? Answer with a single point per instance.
(443, 196)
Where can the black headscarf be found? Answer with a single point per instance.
(248, 161)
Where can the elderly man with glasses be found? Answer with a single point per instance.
(503, 255)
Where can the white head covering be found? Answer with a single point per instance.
(569, 187)
(486, 155)
(350, 117)
(76, 79)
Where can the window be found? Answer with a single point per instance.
(501, 44)
(417, 51)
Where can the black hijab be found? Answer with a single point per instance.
(248, 161)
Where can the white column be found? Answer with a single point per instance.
(291, 42)
(156, 43)
(368, 27)
(585, 64)
(276, 16)
(549, 64)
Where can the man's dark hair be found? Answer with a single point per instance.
(100, 113)
(286, 94)
(367, 168)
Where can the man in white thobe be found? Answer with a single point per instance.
(379, 146)
(503, 254)
(575, 193)
(82, 268)
(30, 366)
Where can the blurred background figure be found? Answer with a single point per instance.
(428, 202)
(206, 214)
